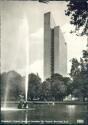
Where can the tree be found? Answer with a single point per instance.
(75, 69)
(11, 85)
(78, 11)
(68, 84)
(84, 73)
(2, 85)
(46, 90)
(34, 86)
(79, 73)
(55, 88)
(58, 87)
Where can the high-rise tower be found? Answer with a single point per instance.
(55, 48)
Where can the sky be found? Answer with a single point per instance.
(22, 35)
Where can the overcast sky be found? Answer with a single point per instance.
(22, 31)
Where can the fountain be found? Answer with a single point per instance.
(27, 73)
(23, 102)
(25, 26)
(20, 108)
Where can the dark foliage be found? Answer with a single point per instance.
(78, 11)
(34, 86)
(55, 88)
(52, 89)
(79, 74)
(12, 85)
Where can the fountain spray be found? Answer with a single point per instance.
(27, 59)
(27, 69)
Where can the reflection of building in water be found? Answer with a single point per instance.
(55, 48)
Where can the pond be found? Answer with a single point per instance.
(48, 113)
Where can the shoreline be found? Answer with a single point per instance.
(49, 102)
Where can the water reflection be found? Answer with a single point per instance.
(43, 112)
(71, 109)
(26, 117)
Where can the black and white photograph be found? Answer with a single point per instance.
(44, 61)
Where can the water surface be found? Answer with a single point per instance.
(60, 113)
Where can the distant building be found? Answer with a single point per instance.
(55, 48)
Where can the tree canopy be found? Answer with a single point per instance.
(78, 12)
(34, 86)
(56, 87)
(12, 85)
(79, 74)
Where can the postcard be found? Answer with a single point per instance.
(44, 62)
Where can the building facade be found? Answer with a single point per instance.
(55, 48)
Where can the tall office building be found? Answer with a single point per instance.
(55, 48)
